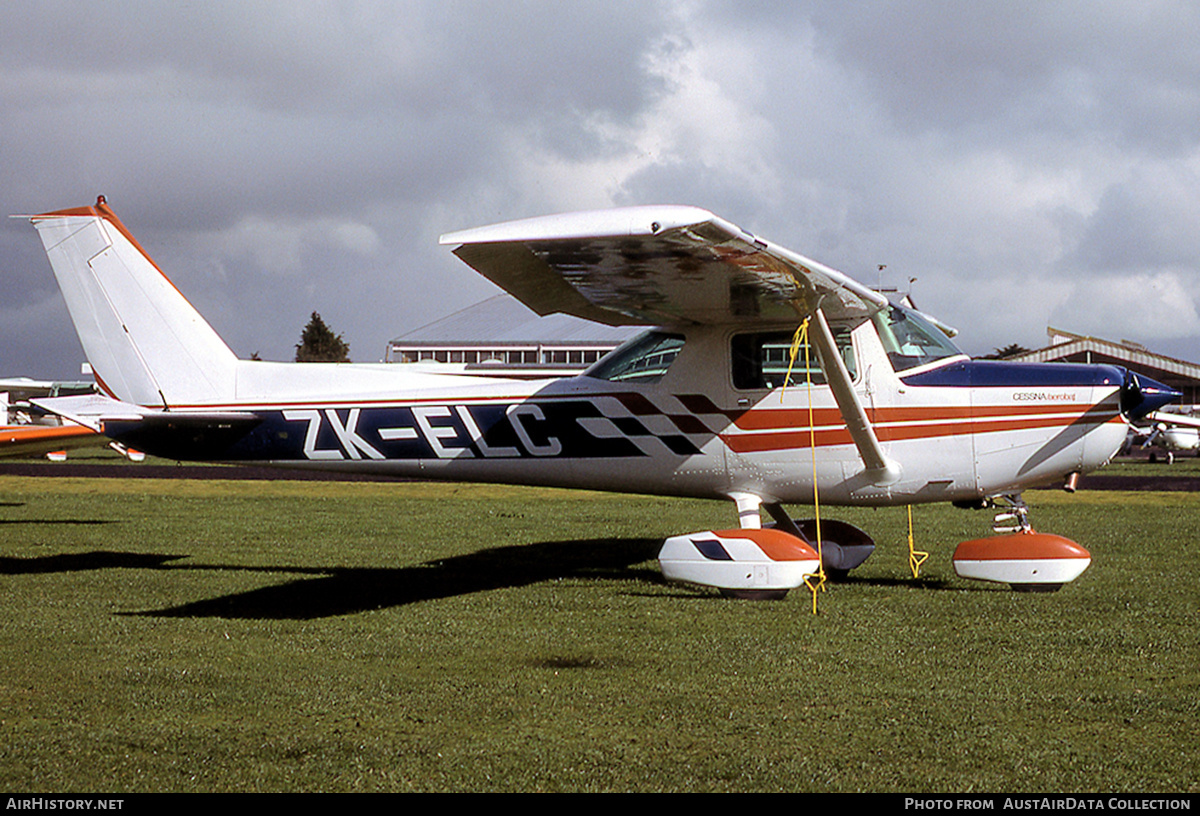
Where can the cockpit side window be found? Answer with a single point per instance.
(644, 359)
(761, 360)
(910, 340)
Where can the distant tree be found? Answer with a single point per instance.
(1011, 350)
(318, 344)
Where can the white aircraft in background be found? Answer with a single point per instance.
(1174, 433)
(878, 408)
(25, 431)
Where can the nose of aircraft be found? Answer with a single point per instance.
(1141, 395)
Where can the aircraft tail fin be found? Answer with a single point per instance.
(146, 344)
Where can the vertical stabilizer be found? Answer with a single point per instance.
(145, 342)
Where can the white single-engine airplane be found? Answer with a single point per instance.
(1173, 433)
(32, 435)
(883, 409)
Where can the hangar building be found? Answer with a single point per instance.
(1076, 348)
(501, 336)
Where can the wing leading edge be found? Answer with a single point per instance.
(656, 265)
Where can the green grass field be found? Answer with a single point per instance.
(164, 635)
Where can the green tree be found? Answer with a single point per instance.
(318, 344)
(1011, 350)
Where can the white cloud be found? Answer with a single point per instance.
(1143, 307)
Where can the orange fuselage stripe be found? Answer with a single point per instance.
(786, 418)
(800, 438)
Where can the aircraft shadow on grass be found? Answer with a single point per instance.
(346, 590)
(82, 562)
(341, 591)
(326, 592)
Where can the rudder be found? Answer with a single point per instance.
(145, 342)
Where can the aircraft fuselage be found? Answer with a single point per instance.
(961, 429)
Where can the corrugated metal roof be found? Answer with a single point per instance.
(503, 320)
(1066, 344)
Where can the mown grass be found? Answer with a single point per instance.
(266, 636)
(1139, 465)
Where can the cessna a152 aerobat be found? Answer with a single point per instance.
(767, 379)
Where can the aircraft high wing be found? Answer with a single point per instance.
(672, 265)
(655, 266)
(766, 379)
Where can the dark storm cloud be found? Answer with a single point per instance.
(279, 158)
(214, 127)
(1110, 71)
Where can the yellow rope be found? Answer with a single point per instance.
(814, 581)
(915, 557)
(801, 336)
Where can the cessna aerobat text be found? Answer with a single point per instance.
(872, 401)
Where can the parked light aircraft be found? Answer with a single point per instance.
(1173, 433)
(33, 433)
(35, 440)
(22, 433)
(716, 401)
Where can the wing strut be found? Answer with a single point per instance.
(879, 468)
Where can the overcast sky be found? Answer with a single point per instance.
(1030, 164)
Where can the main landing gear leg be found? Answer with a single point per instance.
(843, 546)
(747, 510)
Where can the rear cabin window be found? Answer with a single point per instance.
(760, 360)
(644, 359)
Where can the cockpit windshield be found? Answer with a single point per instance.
(910, 340)
(644, 359)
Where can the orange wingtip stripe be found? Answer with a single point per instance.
(40, 433)
(85, 211)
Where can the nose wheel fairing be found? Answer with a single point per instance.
(1027, 560)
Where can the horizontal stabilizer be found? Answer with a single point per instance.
(184, 435)
(89, 409)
